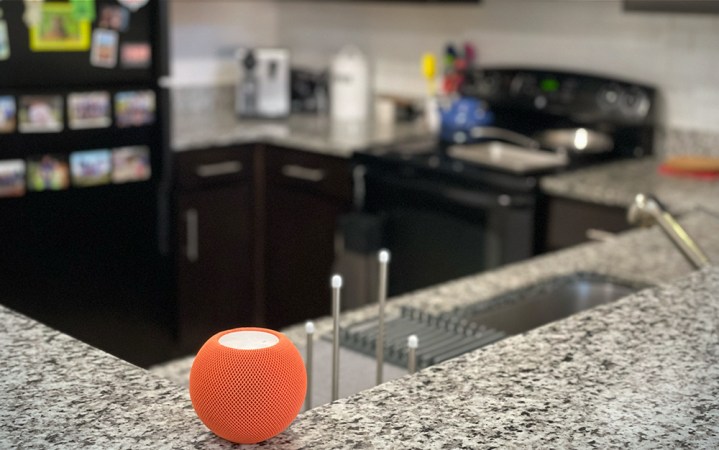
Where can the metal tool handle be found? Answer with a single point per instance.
(303, 173)
(192, 246)
(336, 287)
(412, 344)
(384, 257)
(310, 330)
(217, 169)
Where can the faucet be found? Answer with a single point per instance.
(647, 210)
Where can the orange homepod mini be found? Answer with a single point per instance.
(248, 384)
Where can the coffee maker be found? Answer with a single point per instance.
(263, 88)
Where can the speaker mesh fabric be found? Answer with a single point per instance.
(248, 396)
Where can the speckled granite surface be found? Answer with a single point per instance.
(305, 132)
(204, 117)
(616, 184)
(642, 372)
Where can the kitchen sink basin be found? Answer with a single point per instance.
(549, 300)
(468, 328)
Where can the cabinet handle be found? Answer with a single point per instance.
(192, 248)
(303, 173)
(217, 169)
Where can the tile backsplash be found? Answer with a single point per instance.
(677, 53)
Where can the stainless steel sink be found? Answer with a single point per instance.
(474, 326)
(547, 301)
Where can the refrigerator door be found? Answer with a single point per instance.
(65, 48)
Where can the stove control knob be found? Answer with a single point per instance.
(634, 103)
(489, 84)
(608, 96)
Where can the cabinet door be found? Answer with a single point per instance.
(306, 194)
(299, 254)
(214, 262)
(569, 221)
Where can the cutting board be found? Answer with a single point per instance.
(697, 167)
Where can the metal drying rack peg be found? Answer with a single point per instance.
(384, 257)
(336, 287)
(310, 330)
(412, 344)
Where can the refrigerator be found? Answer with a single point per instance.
(84, 172)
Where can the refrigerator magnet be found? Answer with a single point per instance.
(83, 9)
(40, 114)
(133, 5)
(134, 108)
(32, 14)
(12, 178)
(113, 17)
(8, 114)
(47, 173)
(104, 48)
(88, 110)
(4, 41)
(135, 55)
(57, 30)
(90, 167)
(131, 164)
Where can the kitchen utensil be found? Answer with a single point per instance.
(575, 140)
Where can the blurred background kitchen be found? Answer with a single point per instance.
(272, 116)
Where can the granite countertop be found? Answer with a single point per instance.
(616, 184)
(640, 372)
(302, 131)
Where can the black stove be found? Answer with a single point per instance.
(469, 200)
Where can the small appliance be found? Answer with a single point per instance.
(263, 90)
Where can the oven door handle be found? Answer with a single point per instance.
(470, 198)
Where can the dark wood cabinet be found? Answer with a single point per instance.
(569, 221)
(215, 243)
(673, 6)
(305, 195)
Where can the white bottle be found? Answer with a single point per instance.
(350, 86)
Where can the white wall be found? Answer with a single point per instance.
(677, 53)
(205, 33)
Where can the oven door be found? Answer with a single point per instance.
(438, 230)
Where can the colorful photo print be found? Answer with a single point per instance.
(12, 178)
(90, 167)
(4, 41)
(88, 110)
(135, 55)
(8, 114)
(40, 114)
(134, 108)
(131, 164)
(48, 173)
(59, 30)
(104, 48)
(114, 17)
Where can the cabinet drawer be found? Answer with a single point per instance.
(197, 169)
(310, 171)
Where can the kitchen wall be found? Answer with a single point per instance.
(204, 35)
(677, 53)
